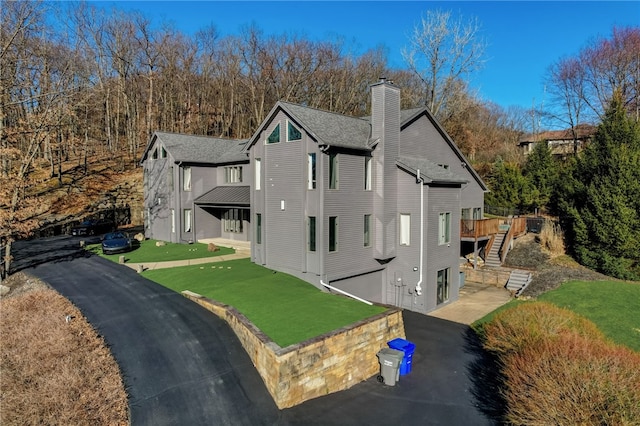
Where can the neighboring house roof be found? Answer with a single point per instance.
(583, 131)
(225, 196)
(199, 149)
(430, 172)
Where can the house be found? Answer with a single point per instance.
(367, 206)
(195, 187)
(560, 142)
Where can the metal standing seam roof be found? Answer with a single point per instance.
(201, 149)
(225, 195)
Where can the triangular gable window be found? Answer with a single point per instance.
(293, 134)
(274, 137)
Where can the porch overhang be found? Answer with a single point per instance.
(225, 197)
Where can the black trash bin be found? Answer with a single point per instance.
(390, 360)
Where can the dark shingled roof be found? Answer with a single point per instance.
(200, 149)
(225, 196)
(329, 128)
(430, 172)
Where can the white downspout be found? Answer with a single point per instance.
(420, 180)
(345, 293)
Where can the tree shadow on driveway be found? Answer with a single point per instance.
(487, 380)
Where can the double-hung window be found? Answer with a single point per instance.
(186, 178)
(405, 229)
(311, 234)
(333, 233)
(367, 173)
(367, 230)
(258, 228)
(444, 228)
(333, 171)
(187, 220)
(233, 174)
(311, 171)
(258, 172)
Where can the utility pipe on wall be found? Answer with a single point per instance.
(420, 181)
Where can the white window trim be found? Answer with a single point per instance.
(258, 173)
(405, 229)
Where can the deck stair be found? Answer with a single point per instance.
(518, 281)
(493, 257)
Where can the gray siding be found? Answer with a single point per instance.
(422, 139)
(350, 202)
(158, 197)
(441, 200)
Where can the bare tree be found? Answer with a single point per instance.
(444, 51)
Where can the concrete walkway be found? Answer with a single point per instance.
(476, 300)
(242, 249)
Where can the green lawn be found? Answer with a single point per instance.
(614, 307)
(149, 252)
(285, 308)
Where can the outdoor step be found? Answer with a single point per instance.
(518, 281)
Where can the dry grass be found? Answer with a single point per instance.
(552, 238)
(558, 369)
(55, 368)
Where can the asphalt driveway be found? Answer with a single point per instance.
(184, 366)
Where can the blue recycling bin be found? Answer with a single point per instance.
(408, 349)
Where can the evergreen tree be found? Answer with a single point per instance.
(601, 206)
(509, 188)
(541, 171)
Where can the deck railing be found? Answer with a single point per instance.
(477, 228)
(517, 227)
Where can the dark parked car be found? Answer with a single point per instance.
(116, 242)
(92, 227)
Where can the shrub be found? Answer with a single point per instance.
(531, 323)
(572, 379)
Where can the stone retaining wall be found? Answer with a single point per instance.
(495, 277)
(316, 367)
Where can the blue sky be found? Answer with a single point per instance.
(524, 38)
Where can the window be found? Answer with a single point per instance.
(186, 178)
(466, 214)
(477, 213)
(311, 175)
(333, 171)
(154, 156)
(258, 173)
(367, 230)
(274, 137)
(170, 178)
(258, 228)
(405, 229)
(163, 152)
(232, 220)
(367, 173)
(443, 281)
(293, 134)
(311, 243)
(233, 174)
(444, 228)
(187, 220)
(173, 221)
(333, 233)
